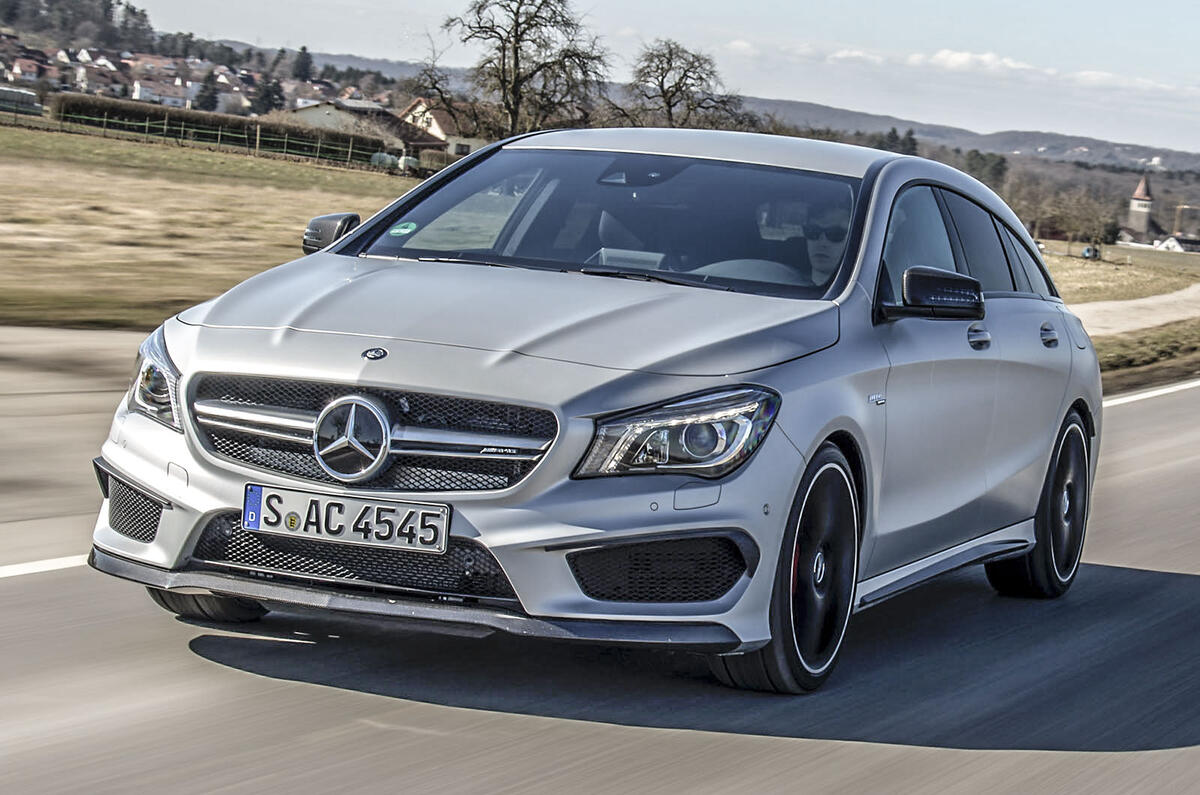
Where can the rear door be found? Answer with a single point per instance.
(1034, 363)
(940, 396)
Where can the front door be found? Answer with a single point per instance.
(940, 402)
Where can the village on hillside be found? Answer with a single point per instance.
(409, 124)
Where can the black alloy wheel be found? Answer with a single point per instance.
(814, 586)
(1048, 569)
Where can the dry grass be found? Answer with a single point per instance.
(1124, 273)
(103, 233)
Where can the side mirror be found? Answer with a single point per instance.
(324, 229)
(931, 292)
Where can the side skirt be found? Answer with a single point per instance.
(1008, 542)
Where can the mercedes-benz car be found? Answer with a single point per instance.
(715, 391)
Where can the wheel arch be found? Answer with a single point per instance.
(845, 442)
(1080, 406)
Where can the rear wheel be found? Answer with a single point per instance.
(208, 607)
(814, 586)
(1048, 569)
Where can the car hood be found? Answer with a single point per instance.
(599, 321)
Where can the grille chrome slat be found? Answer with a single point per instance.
(438, 443)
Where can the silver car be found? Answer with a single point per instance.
(714, 391)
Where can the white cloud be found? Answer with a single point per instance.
(740, 47)
(628, 32)
(854, 55)
(1098, 79)
(962, 61)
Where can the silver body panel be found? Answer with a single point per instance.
(954, 442)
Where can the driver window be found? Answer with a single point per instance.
(916, 236)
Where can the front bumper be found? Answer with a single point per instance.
(531, 530)
(427, 616)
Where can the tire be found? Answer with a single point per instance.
(814, 588)
(1047, 570)
(208, 607)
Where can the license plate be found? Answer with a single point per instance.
(414, 526)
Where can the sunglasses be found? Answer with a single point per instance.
(834, 234)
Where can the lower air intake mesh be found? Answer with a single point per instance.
(467, 568)
(674, 570)
(131, 513)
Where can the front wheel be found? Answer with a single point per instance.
(1047, 570)
(814, 586)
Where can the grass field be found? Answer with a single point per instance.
(104, 233)
(1080, 280)
(1170, 352)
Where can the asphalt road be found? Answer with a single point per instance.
(947, 688)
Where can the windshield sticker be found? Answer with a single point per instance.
(400, 230)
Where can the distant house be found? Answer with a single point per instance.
(441, 125)
(25, 70)
(162, 92)
(96, 80)
(370, 118)
(1180, 243)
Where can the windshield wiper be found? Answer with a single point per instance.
(468, 261)
(651, 276)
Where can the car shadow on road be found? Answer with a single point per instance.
(1110, 667)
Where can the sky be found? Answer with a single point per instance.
(1117, 71)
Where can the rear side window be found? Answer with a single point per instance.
(980, 243)
(1037, 279)
(916, 236)
(1014, 260)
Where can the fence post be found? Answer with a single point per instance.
(104, 126)
(285, 142)
(146, 132)
(219, 129)
(257, 137)
(350, 151)
(316, 157)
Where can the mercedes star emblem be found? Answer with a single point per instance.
(352, 439)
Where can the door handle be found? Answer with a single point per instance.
(1049, 336)
(978, 337)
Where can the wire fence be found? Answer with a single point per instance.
(251, 139)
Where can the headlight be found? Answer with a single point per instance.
(708, 435)
(155, 386)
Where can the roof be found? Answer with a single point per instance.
(1142, 191)
(408, 133)
(358, 105)
(770, 150)
(438, 113)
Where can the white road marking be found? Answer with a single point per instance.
(1153, 393)
(38, 566)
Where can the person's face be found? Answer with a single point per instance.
(826, 237)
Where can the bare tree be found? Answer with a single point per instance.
(1084, 216)
(539, 63)
(1033, 198)
(677, 87)
(471, 117)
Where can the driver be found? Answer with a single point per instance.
(825, 235)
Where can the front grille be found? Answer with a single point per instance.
(410, 471)
(131, 513)
(675, 570)
(466, 569)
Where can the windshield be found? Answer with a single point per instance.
(710, 223)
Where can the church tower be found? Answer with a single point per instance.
(1139, 207)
